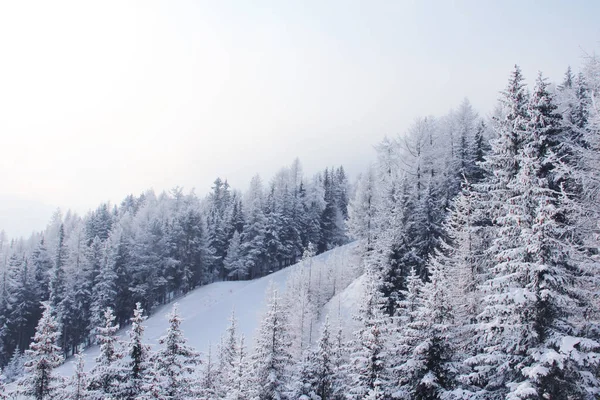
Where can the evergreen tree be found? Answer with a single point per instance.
(137, 364)
(238, 388)
(228, 353)
(3, 394)
(174, 363)
(368, 365)
(323, 367)
(254, 234)
(43, 356)
(79, 381)
(361, 210)
(42, 265)
(234, 262)
(106, 375)
(426, 373)
(271, 360)
(526, 328)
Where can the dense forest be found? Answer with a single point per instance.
(153, 248)
(479, 248)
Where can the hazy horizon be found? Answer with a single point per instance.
(106, 99)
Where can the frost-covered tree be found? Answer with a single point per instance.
(107, 374)
(3, 394)
(173, 363)
(239, 383)
(228, 349)
(43, 356)
(78, 385)
(361, 210)
(234, 263)
(271, 360)
(426, 373)
(323, 365)
(368, 366)
(104, 289)
(529, 341)
(253, 237)
(136, 368)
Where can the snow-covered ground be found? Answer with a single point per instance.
(343, 307)
(206, 310)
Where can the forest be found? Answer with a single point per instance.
(152, 249)
(478, 239)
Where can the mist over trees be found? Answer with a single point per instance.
(478, 242)
(153, 248)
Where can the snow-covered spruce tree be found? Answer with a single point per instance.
(15, 367)
(3, 394)
(239, 383)
(426, 373)
(368, 366)
(529, 343)
(209, 377)
(361, 210)
(174, 363)
(406, 314)
(298, 301)
(227, 355)
(104, 289)
(502, 164)
(460, 255)
(323, 366)
(253, 237)
(43, 356)
(302, 379)
(136, 366)
(234, 264)
(106, 375)
(78, 385)
(272, 360)
(391, 254)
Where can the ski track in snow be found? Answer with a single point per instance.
(207, 309)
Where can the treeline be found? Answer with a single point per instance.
(234, 369)
(482, 255)
(152, 248)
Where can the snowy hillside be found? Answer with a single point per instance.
(206, 310)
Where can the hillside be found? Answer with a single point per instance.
(206, 310)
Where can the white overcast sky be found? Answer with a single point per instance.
(99, 99)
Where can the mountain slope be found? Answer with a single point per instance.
(207, 309)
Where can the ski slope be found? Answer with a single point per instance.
(207, 309)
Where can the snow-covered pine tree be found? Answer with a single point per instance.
(271, 360)
(174, 363)
(3, 394)
(78, 385)
(529, 341)
(233, 263)
(426, 372)
(43, 356)
(15, 367)
(407, 313)
(323, 366)
(104, 290)
(228, 355)
(361, 210)
(298, 301)
(136, 367)
(253, 237)
(368, 366)
(501, 164)
(107, 374)
(239, 383)
(209, 377)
